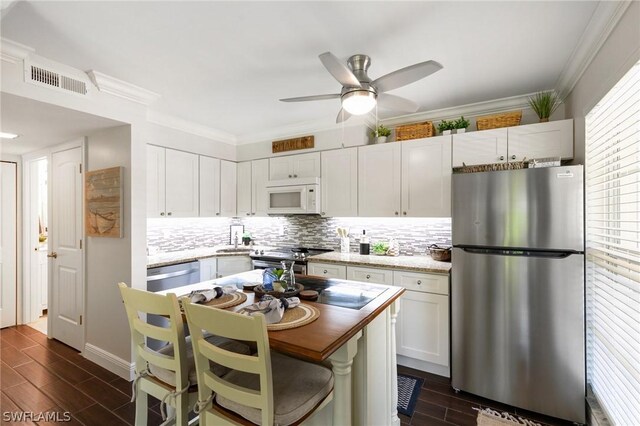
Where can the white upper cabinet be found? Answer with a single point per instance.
(541, 140)
(340, 182)
(228, 184)
(484, 147)
(209, 186)
(530, 141)
(155, 181)
(426, 177)
(379, 178)
(294, 166)
(259, 177)
(244, 189)
(181, 171)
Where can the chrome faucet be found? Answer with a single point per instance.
(235, 241)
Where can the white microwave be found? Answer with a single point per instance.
(293, 196)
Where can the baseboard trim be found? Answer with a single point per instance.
(429, 367)
(107, 360)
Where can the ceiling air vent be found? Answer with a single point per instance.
(50, 78)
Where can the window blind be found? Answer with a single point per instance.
(613, 249)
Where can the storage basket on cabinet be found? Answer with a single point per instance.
(506, 119)
(415, 131)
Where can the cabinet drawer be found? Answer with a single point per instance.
(327, 270)
(370, 275)
(429, 283)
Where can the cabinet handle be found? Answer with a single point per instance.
(502, 157)
(513, 157)
(396, 213)
(368, 276)
(161, 213)
(325, 271)
(290, 176)
(419, 282)
(169, 214)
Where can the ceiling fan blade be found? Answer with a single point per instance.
(312, 98)
(338, 70)
(396, 103)
(342, 116)
(405, 76)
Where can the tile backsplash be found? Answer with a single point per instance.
(413, 234)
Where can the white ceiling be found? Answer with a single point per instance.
(225, 64)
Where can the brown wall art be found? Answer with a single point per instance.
(103, 206)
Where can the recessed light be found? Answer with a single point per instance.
(5, 135)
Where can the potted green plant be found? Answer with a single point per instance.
(445, 127)
(544, 104)
(246, 238)
(461, 124)
(381, 133)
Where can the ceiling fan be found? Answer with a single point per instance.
(359, 94)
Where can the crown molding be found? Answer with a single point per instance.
(602, 22)
(183, 125)
(13, 52)
(122, 89)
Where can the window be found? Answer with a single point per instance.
(613, 249)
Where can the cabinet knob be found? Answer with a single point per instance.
(169, 214)
(396, 213)
(161, 213)
(290, 176)
(513, 157)
(404, 213)
(295, 175)
(323, 213)
(217, 214)
(248, 214)
(368, 276)
(325, 271)
(253, 214)
(419, 282)
(501, 157)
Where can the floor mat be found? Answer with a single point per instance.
(408, 391)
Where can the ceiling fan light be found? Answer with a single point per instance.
(358, 102)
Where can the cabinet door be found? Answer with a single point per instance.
(209, 187)
(280, 168)
(430, 341)
(484, 147)
(244, 189)
(327, 270)
(228, 182)
(259, 177)
(379, 180)
(306, 165)
(541, 140)
(370, 275)
(340, 182)
(155, 181)
(182, 184)
(426, 177)
(233, 265)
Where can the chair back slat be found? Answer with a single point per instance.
(155, 358)
(232, 360)
(154, 331)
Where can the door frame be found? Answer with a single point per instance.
(16, 261)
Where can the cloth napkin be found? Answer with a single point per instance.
(204, 296)
(273, 309)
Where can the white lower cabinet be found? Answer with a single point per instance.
(327, 270)
(370, 275)
(230, 265)
(208, 269)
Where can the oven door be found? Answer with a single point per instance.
(287, 199)
(298, 268)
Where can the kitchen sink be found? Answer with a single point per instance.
(234, 250)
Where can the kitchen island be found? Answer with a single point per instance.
(358, 342)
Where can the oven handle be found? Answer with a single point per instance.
(263, 264)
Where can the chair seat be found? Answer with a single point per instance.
(298, 387)
(169, 376)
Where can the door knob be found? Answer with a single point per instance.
(53, 254)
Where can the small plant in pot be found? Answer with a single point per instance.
(544, 104)
(381, 133)
(246, 238)
(445, 127)
(461, 124)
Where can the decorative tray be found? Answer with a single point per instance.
(260, 291)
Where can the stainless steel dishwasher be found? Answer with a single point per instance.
(166, 278)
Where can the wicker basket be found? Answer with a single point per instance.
(514, 165)
(261, 291)
(496, 121)
(415, 131)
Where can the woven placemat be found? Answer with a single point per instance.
(296, 317)
(226, 301)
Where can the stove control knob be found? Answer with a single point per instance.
(296, 256)
(256, 252)
(303, 256)
(261, 251)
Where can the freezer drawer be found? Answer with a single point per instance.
(532, 208)
(518, 330)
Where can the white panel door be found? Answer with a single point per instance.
(541, 140)
(65, 248)
(155, 181)
(182, 184)
(306, 165)
(228, 184)
(259, 177)
(485, 147)
(280, 168)
(209, 187)
(8, 248)
(431, 313)
(340, 182)
(426, 177)
(244, 189)
(379, 180)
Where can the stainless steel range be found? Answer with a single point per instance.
(271, 259)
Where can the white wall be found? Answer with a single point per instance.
(616, 56)
(109, 259)
(171, 138)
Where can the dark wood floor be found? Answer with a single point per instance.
(42, 375)
(438, 404)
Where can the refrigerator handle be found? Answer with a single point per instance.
(558, 254)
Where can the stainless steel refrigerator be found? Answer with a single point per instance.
(517, 293)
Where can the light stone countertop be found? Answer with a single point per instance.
(175, 257)
(420, 263)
